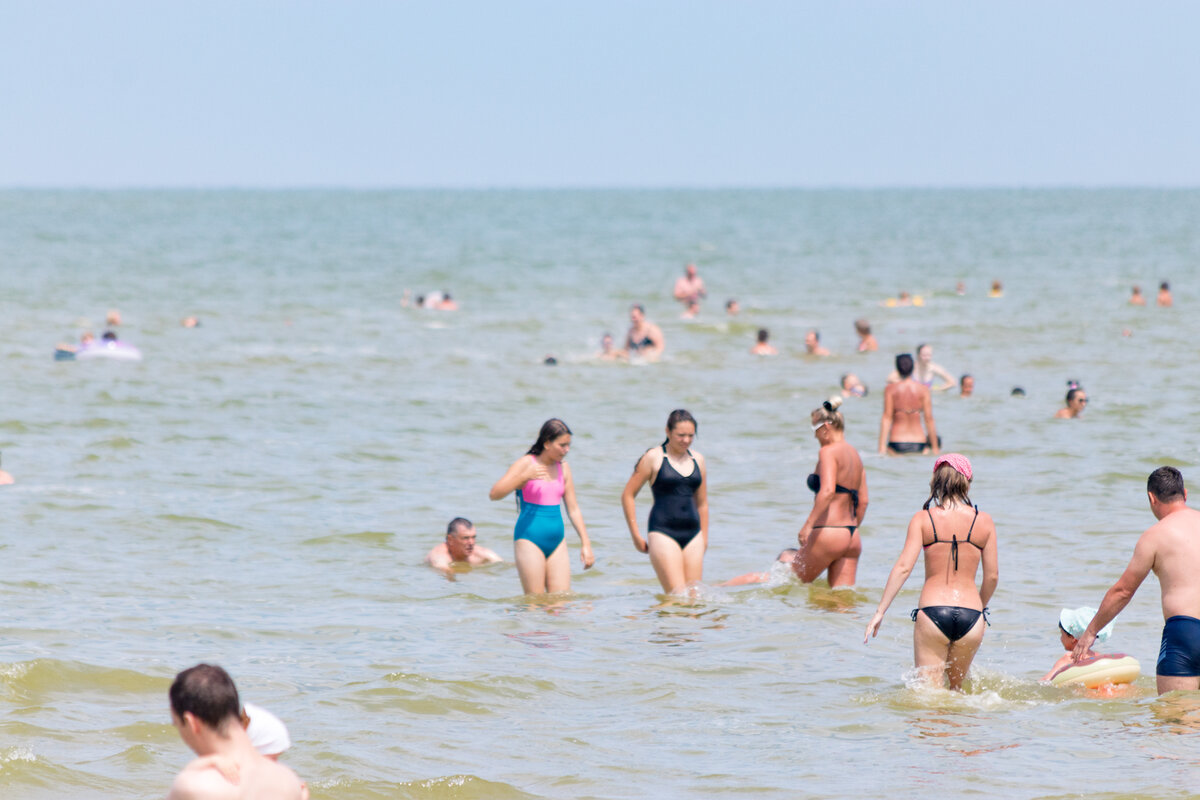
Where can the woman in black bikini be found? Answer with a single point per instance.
(677, 531)
(956, 538)
(829, 538)
(904, 405)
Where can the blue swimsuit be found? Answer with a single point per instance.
(540, 520)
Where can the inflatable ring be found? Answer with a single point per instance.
(1099, 670)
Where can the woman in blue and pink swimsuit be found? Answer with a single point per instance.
(542, 481)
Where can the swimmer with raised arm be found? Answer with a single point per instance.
(677, 531)
(956, 538)
(905, 405)
(542, 481)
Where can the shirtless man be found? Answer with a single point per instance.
(206, 712)
(1137, 298)
(1164, 295)
(1171, 548)
(904, 404)
(644, 337)
(763, 347)
(459, 547)
(689, 288)
(812, 344)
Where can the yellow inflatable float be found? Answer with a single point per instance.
(1099, 670)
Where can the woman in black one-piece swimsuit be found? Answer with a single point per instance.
(677, 531)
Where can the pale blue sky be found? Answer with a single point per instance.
(358, 93)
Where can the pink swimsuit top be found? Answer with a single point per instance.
(544, 492)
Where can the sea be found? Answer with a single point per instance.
(260, 491)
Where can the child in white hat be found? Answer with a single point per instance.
(1071, 623)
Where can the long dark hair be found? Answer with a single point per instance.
(551, 429)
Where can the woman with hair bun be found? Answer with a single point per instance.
(956, 537)
(1076, 402)
(539, 547)
(677, 531)
(829, 539)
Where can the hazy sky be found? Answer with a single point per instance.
(598, 93)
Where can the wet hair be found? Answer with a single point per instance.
(763, 334)
(816, 334)
(729, 303)
(677, 416)
(1137, 290)
(457, 524)
(109, 336)
(207, 693)
(639, 307)
(1073, 391)
(828, 412)
(862, 326)
(1166, 483)
(948, 484)
(1017, 391)
(550, 361)
(965, 375)
(551, 430)
(1166, 287)
(904, 364)
(921, 347)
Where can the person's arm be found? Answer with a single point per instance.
(991, 564)
(641, 474)
(1065, 661)
(827, 472)
(585, 544)
(930, 425)
(656, 337)
(899, 574)
(439, 559)
(885, 422)
(945, 376)
(522, 470)
(489, 556)
(702, 499)
(681, 289)
(1118, 596)
(701, 292)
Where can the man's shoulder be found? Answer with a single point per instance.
(438, 552)
(205, 779)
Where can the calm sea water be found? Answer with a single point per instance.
(260, 491)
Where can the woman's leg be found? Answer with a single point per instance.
(931, 650)
(531, 566)
(844, 571)
(693, 561)
(667, 559)
(824, 546)
(558, 569)
(962, 653)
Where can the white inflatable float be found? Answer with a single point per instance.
(111, 350)
(1098, 671)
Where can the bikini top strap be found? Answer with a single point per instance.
(935, 539)
(973, 525)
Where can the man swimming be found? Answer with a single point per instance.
(1170, 547)
(689, 287)
(459, 548)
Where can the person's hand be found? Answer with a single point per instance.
(585, 554)
(802, 537)
(640, 544)
(1083, 647)
(873, 626)
(535, 471)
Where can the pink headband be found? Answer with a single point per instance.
(961, 464)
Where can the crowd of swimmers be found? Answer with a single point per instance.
(956, 539)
